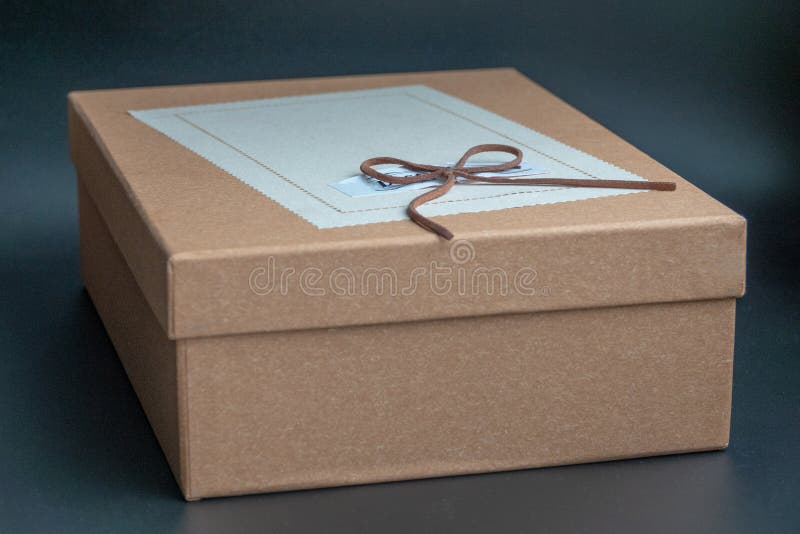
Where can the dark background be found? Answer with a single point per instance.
(708, 88)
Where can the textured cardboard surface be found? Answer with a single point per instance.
(148, 356)
(327, 407)
(192, 254)
(315, 408)
(624, 350)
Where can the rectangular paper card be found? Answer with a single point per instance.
(304, 152)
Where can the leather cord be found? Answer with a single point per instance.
(448, 177)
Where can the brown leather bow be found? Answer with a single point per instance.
(448, 176)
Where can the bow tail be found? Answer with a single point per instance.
(433, 194)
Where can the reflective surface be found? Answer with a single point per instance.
(711, 92)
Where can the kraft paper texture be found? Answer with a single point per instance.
(611, 335)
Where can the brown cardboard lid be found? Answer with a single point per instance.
(203, 245)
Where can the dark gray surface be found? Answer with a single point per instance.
(710, 90)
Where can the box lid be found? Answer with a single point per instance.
(214, 256)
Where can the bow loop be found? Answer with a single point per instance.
(461, 165)
(449, 175)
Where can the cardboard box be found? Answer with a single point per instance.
(603, 328)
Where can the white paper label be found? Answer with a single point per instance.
(362, 185)
(292, 149)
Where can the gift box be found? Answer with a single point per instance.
(286, 326)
